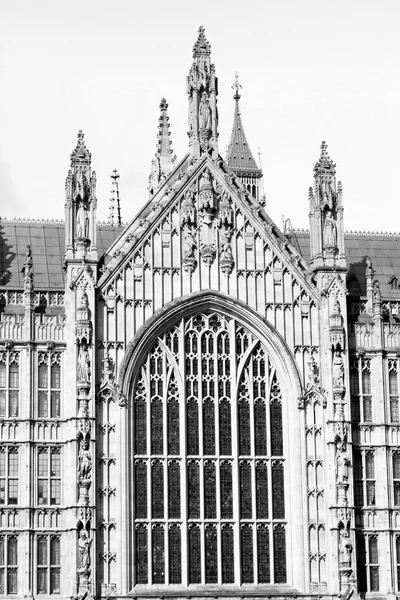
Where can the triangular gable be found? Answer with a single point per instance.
(204, 204)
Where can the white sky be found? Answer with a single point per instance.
(310, 70)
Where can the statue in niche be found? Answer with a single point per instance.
(82, 222)
(338, 370)
(204, 112)
(83, 363)
(188, 244)
(80, 185)
(225, 241)
(85, 462)
(84, 544)
(190, 113)
(377, 292)
(330, 233)
(342, 464)
(345, 549)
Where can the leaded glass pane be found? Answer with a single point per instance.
(211, 554)
(245, 490)
(262, 490)
(175, 569)
(141, 489)
(141, 555)
(228, 566)
(278, 496)
(208, 426)
(194, 489)
(157, 490)
(226, 490)
(210, 507)
(194, 554)
(225, 431)
(158, 553)
(174, 490)
(280, 554)
(157, 426)
(263, 554)
(260, 427)
(246, 542)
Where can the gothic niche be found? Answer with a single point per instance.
(225, 224)
(329, 215)
(207, 211)
(188, 224)
(83, 328)
(84, 545)
(80, 197)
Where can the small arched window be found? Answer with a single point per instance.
(394, 283)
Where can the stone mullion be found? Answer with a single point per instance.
(183, 454)
(235, 453)
(216, 453)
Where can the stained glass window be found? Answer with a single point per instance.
(208, 435)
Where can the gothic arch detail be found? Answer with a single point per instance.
(208, 458)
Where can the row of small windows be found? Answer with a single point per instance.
(48, 476)
(365, 478)
(361, 390)
(211, 553)
(48, 381)
(48, 564)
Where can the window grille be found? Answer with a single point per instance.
(49, 476)
(9, 475)
(230, 453)
(8, 564)
(49, 384)
(48, 564)
(9, 384)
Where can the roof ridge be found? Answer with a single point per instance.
(31, 221)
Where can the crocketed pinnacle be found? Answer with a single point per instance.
(239, 156)
(324, 164)
(114, 217)
(81, 154)
(164, 149)
(202, 46)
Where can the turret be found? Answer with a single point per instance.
(239, 156)
(164, 161)
(326, 216)
(202, 89)
(80, 205)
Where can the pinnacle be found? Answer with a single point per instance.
(324, 163)
(202, 46)
(236, 86)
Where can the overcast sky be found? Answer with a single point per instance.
(310, 71)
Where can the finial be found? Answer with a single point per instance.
(236, 86)
(81, 135)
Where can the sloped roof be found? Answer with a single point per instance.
(382, 248)
(47, 242)
(239, 156)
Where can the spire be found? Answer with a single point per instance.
(239, 156)
(163, 162)
(202, 89)
(114, 216)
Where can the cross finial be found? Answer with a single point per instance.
(236, 86)
(81, 135)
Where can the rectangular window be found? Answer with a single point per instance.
(373, 560)
(8, 564)
(9, 384)
(49, 476)
(49, 384)
(48, 564)
(8, 475)
(396, 478)
(370, 478)
(393, 390)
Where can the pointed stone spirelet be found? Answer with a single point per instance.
(324, 163)
(164, 161)
(114, 215)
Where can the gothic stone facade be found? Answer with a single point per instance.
(199, 404)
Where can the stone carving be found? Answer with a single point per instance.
(83, 328)
(226, 256)
(82, 222)
(204, 112)
(342, 466)
(345, 549)
(27, 270)
(330, 232)
(338, 370)
(83, 370)
(84, 544)
(85, 462)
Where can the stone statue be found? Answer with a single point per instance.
(189, 244)
(226, 248)
(83, 371)
(338, 370)
(377, 292)
(345, 549)
(330, 233)
(27, 270)
(85, 462)
(204, 113)
(342, 463)
(84, 544)
(82, 222)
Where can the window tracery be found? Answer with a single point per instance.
(230, 406)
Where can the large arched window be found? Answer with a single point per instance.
(209, 459)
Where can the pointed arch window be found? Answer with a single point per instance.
(209, 459)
